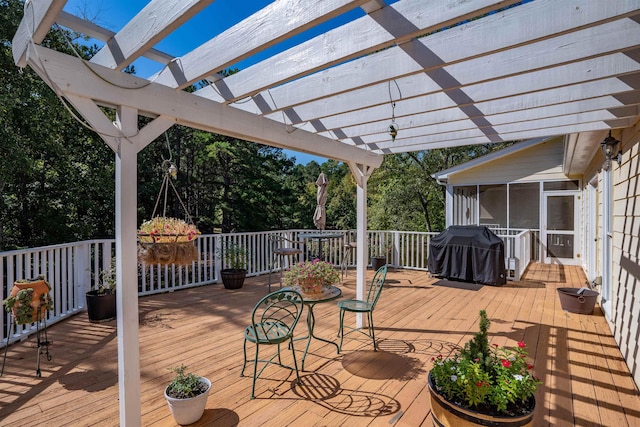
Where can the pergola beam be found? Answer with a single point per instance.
(38, 18)
(72, 76)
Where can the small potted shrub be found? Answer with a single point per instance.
(187, 396)
(101, 301)
(234, 269)
(311, 277)
(483, 384)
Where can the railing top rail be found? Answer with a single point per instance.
(52, 247)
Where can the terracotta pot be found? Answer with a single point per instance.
(39, 287)
(447, 414)
(310, 286)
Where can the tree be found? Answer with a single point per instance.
(49, 164)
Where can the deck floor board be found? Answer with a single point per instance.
(586, 381)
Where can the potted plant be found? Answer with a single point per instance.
(483, 384)
(234, 260)
(101, 300)
(311, 277)
(165, 240)
(29, 300)
(187, 396)
(380, 249)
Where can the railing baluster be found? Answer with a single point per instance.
(73, 268)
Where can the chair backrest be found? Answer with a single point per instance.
(376, 286)
(277, 312)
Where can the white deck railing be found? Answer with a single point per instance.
(72, 269)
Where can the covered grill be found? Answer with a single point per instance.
(470, 253)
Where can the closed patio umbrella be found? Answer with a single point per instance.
(319, 216)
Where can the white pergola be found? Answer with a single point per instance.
(543, 68)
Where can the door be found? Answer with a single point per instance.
(561, 228)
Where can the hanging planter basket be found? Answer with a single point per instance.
(163, 240)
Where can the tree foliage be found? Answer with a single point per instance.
(57, 176)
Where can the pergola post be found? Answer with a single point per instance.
(361, 174)
(126, 148)
(127, 270)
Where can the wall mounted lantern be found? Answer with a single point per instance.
(610, 150)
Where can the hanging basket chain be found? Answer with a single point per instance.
(170, 172)
(158, 244)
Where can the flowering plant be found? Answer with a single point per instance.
(487, 379)
(316, 271)
(167, 230)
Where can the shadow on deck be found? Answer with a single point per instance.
(586, 381)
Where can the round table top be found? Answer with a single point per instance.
(329, 293)
(319, 235)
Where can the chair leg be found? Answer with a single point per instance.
(341, 331)
(295, 362)
(269, 276)
(244, 352)
(255, 373)
(271, 265)
(373, 333)
(279, 359)
(281, 265)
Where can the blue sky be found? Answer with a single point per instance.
(217, 17)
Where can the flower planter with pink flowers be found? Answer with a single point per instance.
(164, 240)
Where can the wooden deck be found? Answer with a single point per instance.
(586, 382)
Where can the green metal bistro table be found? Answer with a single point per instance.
(330, 293)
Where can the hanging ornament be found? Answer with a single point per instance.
(393, 128)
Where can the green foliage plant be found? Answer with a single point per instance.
(185, 385)
(233, 255)
(107, 282)
(487, 378)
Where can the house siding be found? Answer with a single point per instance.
(538, 163)
(626, 251)
(544, 162)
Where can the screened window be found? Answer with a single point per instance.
(493, 205)
(524, 205)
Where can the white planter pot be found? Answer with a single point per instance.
(188, 411)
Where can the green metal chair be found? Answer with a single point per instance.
(272, 322)
(366, 306)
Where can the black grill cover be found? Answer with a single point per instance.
(469, 253)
